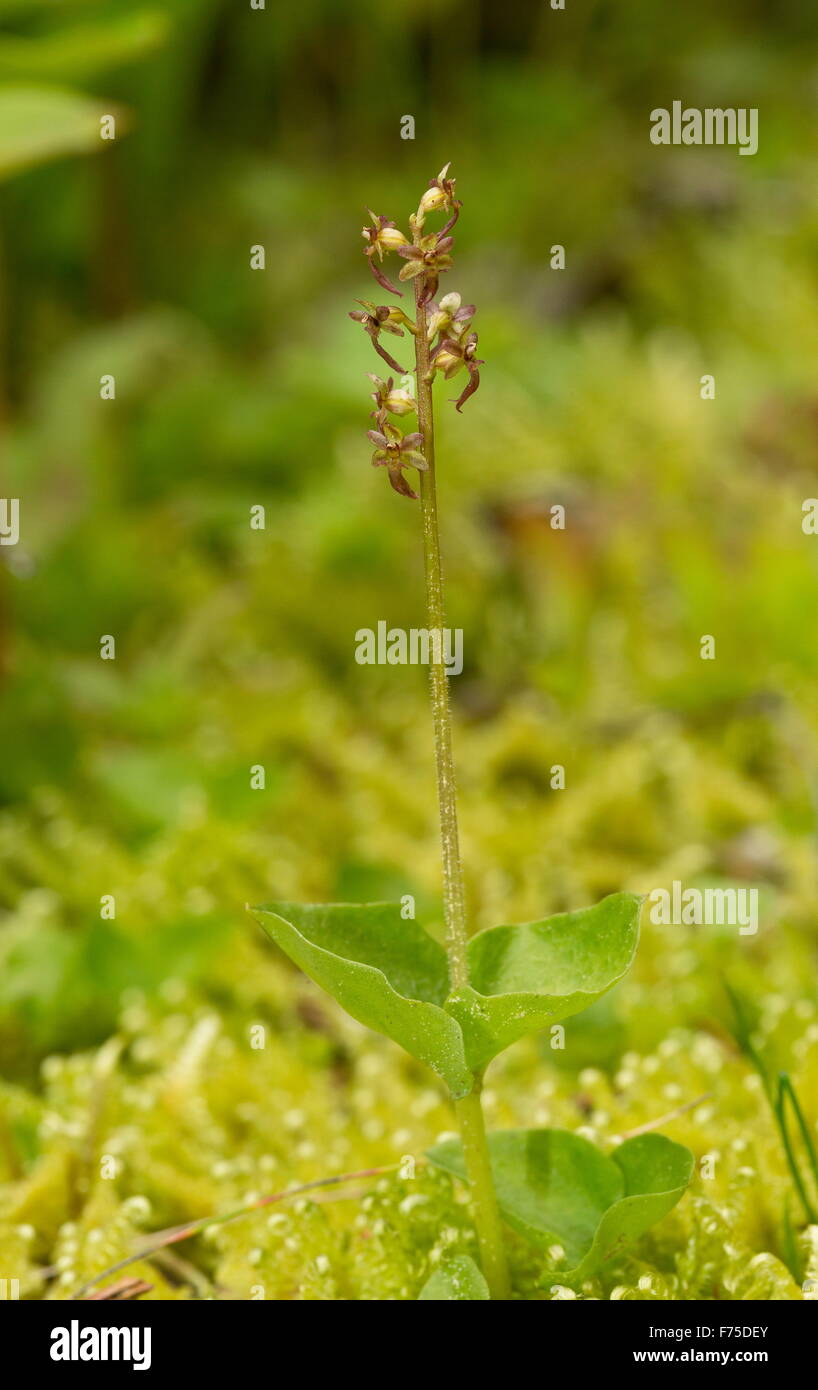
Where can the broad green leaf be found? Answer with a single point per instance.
(526, 977)
(556, 1188)
(385, 971)
(457, 1279)
(656, 1172)
(41, 123)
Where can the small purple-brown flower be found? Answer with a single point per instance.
(450, 317)
(429, 259)
(386, 318)
(450, 355)
(381, 237)
(387, 396)
(396, 451)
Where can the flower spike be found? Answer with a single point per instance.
(445, 342)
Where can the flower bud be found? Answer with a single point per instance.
(432, 199)
(391, 238)
(400, 401)
(446, 360)
(439, 194)
(397, 316)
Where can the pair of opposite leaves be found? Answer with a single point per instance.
(391, 975)
(552, 1186)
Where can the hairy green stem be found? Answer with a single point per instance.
(454, 906)
(469, 1110)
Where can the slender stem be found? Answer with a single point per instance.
(454, 907)
(469, 1110)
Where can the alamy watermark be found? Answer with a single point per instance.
(695, 907)
(415, 646)
(717, 125)
(90, 1343)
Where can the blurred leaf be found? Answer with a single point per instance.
(457, 1280)
(12, 7)
(82, 51)
(556, 1188)
(63, 986)
(153, 784)
(42, 123)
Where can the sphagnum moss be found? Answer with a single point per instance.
(386, 1237)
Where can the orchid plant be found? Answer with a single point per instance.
(456, 1007)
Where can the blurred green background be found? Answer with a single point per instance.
(237, 387)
